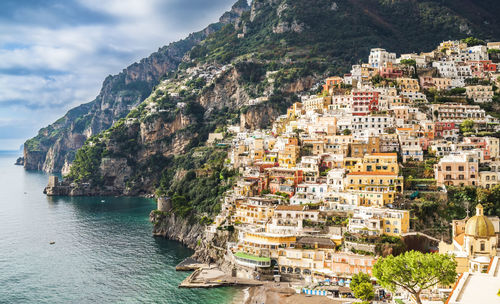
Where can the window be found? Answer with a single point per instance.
(482, 246)
(460, 168)
(448, 168)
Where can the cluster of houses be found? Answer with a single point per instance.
(320, 189)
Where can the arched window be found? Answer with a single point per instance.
(482, 246)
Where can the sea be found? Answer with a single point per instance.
(102, 248)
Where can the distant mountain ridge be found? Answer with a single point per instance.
(306, 38)
(53, 149)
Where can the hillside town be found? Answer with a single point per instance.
(321, 195)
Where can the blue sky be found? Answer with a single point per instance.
(54, 54)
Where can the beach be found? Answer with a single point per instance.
(282, 293)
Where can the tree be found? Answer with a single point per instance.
(414, 271)
(467, 126)
(346, 132)
(364, 291)
(473, 41)
(358, 279)
(362, 287)
(410, 65)
(411, 62)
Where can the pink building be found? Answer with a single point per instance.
(389, 71)
(444, 129)
(457, 170)
(364, 102)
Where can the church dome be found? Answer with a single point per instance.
(479, 225)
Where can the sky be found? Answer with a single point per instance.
(55, 54)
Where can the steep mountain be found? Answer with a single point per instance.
(276, 49)
(53, 149)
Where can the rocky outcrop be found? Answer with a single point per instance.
(234, 15)
(209, 247)
(284, 27)
(258, 117)
(226, 92)
(175, 228)
(19, 161)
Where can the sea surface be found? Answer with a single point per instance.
(103, 251)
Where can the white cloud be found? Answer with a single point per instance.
(56, 56)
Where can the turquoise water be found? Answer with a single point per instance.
(103, 251)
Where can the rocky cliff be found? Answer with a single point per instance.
(324, 36)
(53, 149)
(140, 151)
(209, 247)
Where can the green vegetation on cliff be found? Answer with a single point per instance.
(163, 139)
(85, 168)
(203, 185)
(339, 33)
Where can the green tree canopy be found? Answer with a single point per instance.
(473, 41)
(346, 132)
(467, 126)
(414, 271)
(364, 291)
(362, 287)
(411, 62)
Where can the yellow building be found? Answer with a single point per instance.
(408, 85)
(271, 157)
(474, 242)
(264, 243)
(258, 149)
(375, 198)
(442, 84)
(488, 179)
(351, 162)
(254, 210)
(396, 222)
(374, 181)
(316, 103)
(288, 157)
(378, 162)
(294, 110)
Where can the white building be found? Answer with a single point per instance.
(378, 57)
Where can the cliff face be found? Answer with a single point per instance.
(53, 149)
(57, 143)
(209, 247)
(175, 228)
(135, 153)
(258, 117)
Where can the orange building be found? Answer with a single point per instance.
(332, 82)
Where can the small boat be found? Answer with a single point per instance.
(102, 201)
(52, 243)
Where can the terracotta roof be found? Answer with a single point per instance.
(290, 207)
(372, 173)
(460, 238)
(384, 154)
